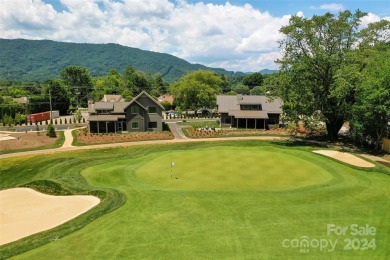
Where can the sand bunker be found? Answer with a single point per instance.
(345, 157)
(24, 212)
(5, 137)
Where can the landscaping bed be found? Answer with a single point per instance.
(81, 137)
(31, 141)
(208, 133)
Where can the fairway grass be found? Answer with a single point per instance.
(231, 200)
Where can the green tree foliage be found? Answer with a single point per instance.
(258, 91)
(314, 50)
(59, 95)
(51, 132)
(253, 80)
(79, 83)
(46, 58)
(110, 84)
(11, 108)
(241, 89)
(371, 113)
(77, 116)
(167, 106)
(196, 89)
(39, 103)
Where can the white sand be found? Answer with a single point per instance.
(24, 212)
(5, 137)
(345, 157)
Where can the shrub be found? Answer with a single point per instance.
(51, 132)
(65, 121)
(60, 121)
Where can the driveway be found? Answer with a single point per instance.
(177, 130)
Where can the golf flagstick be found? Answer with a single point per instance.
(172, 164)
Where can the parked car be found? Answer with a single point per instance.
(204, 111)
(172, 114)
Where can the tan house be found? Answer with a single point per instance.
(243, 111)
(113, 114)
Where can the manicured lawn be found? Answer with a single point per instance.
(236, 200)
(201, 124)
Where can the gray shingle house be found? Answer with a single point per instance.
(143, 113)
(243, 111)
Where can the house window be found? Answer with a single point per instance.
(134, 125)
(255, 107)
(245, 107)
(152, 125)
(152, 110)
(134, 110)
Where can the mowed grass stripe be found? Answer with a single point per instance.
(187, 222)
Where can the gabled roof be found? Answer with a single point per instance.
(104, 105)
(99, 118)
(149, 96)
(113, 98)
(232, 103)
(253, 114)
(166, 98)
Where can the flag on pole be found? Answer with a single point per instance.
(172, 164)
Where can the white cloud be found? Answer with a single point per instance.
(332, 7)
(239, 38)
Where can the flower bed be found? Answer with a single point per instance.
(202, 133)
(84, 138)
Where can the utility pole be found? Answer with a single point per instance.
(51, 110)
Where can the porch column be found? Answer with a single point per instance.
(115, 125)
(264, 123)
(98, 123)
(246, 123)
(106, 127)
(255, 123)
(237, 123)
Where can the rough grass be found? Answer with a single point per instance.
(210, 219)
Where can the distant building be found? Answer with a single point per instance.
(243, 111)
(113, 98)
(165, 98)
(114, 115)
(21, 100)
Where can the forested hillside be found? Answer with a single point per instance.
(39, 60)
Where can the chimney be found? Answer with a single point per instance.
(239, 97)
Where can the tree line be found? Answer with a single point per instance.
(76, 86)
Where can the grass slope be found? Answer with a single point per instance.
(218, 217)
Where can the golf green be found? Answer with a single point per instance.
(232, 169)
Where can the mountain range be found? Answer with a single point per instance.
(39, 60)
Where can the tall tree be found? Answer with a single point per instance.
(79, 82)
(371, 113)
(253, 80)
(196, 89)
(314, 50)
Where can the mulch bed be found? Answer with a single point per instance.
(87, 138)
(27, 140)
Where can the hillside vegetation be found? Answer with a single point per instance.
(39, 60)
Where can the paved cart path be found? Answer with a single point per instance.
(177, 132)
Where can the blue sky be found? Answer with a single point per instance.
(239, 35)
